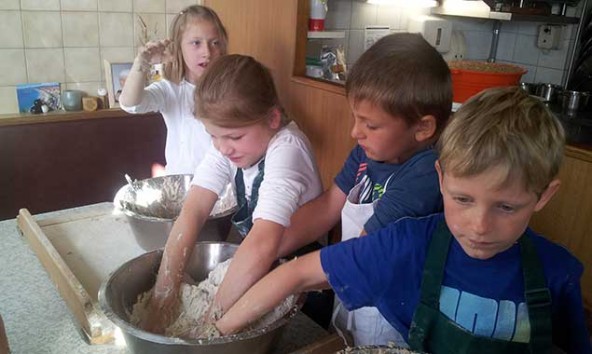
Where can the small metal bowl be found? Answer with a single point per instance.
(120, 291)
(152, 205)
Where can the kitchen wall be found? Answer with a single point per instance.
(517, 42)
(66, 41)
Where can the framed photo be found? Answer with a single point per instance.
(115, 76)
(38, 97)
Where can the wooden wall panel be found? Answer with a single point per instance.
(325, 117)
(567, 218)
(59, 165)
(264, 29)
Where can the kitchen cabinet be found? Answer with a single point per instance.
(58, 161)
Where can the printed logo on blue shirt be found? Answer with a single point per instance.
(485, 317)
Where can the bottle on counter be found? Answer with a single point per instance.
(104, 100)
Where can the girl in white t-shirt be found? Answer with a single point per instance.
(197, 39)
(268, 160)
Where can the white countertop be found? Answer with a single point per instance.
(37, 319)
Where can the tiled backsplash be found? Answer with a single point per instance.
(517, 41)
(67, 40)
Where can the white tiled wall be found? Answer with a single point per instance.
(67, 40)
(517, 41)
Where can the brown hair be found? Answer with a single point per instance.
(175, 70)
(405, 76)
(508, 128)
(236, 91)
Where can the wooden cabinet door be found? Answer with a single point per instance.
(567, 218)
(263, 29)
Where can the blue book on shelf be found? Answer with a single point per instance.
(32, 97)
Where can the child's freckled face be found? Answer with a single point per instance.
(485, 216)
(382, 136)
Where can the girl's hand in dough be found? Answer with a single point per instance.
(161, 313)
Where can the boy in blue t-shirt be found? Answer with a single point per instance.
(475, 278)
(400, 95)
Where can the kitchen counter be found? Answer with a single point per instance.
(37, 319)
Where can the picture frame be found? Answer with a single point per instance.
(115, 75)
(38, 97)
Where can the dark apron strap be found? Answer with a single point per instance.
(243, 218)
(538, 298)
(429, 302)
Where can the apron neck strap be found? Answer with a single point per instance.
(538, 298)
(433, 271)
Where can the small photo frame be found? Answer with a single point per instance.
(115, 76)
(38, 97)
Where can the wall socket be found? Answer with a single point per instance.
(373, 34)
(549, 36)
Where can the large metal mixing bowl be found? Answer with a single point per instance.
(119, 293)
(152, 205)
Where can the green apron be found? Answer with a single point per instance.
(433, 332)
(243, 218)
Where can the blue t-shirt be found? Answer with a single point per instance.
(486, 297)
(412, 189)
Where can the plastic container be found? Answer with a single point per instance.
(472, 77)
(318, 12)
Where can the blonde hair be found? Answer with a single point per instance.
(175, 70)
(236, 91)
(405, 76)
(508, 128)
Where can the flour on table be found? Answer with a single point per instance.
(194, 301)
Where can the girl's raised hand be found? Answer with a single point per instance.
(155, 52)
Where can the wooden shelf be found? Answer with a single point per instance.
(505, 16)
(61, 116)
(326, 34)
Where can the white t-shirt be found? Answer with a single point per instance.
(291, 177)
(187, 140)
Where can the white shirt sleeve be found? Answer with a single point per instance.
(153, 100)
(214, 172)
(291, 177)
(187, 139)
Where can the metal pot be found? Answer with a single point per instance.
(549, 92)
(120, 291)
(528, 88)
(575, 101)
(152, 205)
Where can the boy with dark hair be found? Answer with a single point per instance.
(400, 95)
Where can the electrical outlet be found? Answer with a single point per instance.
(374, 33)
(549, 36)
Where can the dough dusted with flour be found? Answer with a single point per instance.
(194, 301)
